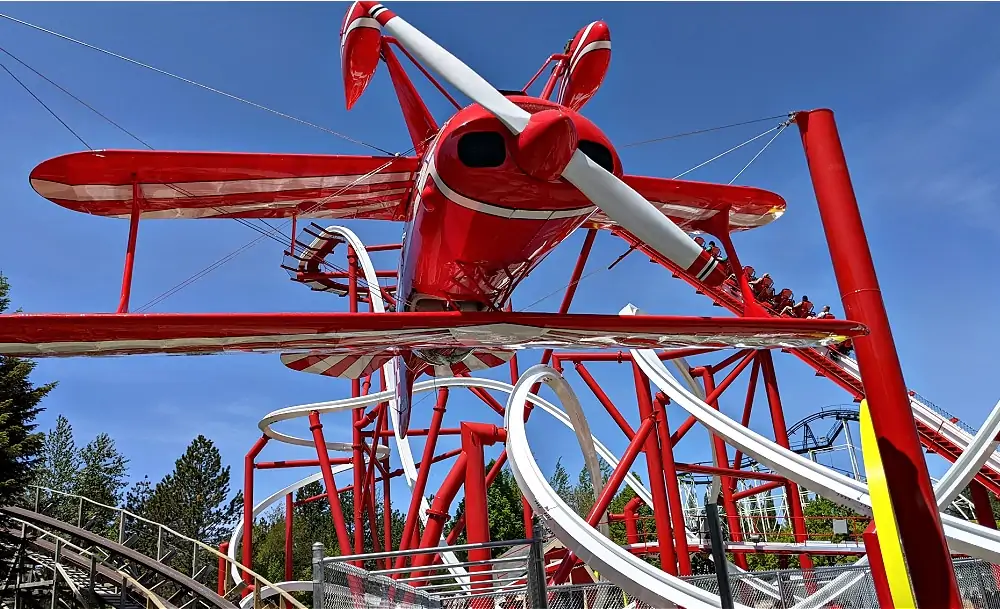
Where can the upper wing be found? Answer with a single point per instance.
(228, 184)
(687, 202)
(46, 335)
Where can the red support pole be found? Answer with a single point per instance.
(763, 488)
(357, 444)
(248, 507)
(673, 486)
(289, 515)
(629, 515)
(574, 281)
(477, 523)
(713, 395)
(424, 469)
(526, 512)
(610, 489)
(133, 232)
(722, 454)
(437, 515)
(747, 408)
(220, 587)
(604, 400)
(981, 503)
(387, 517)
(879, 577)
(924, 546)
(490, 477)
(781, 437)
(332, 494)
(654, 467)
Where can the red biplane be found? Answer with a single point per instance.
(486, 197)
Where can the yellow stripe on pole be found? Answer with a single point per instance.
(885, 518)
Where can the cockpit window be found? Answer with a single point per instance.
(482, 149)
(598, 153)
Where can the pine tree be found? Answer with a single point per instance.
(559, 481)
(60, 460)
(137, 497)
(583, 495)
(20, 445)
(194, 498)
(101, 478)
(102, 471)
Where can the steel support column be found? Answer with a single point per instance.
(654, 468)
(673, 486)
(248, 507)
(925, 549)
(781, 437)
(289, 516)
(332, 494)
(420, 484)
(133, 232)
(610, 489)
(722, 461)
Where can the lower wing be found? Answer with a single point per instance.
(62, 335)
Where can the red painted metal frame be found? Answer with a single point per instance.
(862, 303)
(927, 556)
(133, 231)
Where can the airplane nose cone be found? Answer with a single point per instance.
(546, 145)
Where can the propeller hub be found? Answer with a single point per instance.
(546, 145)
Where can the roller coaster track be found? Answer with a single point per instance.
(91, 582)
(939, 431)
(193, 593)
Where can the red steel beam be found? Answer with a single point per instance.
(425, 467)
(333, 495)
(722, 457)
(760, 488)
(781, 437)
(673, 486)
(248, 508)
(133, 232)
(912, 496)
(608, 492)
(654, 467)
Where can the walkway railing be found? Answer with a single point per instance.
(58, 567)
(156, 541)
(517, 577)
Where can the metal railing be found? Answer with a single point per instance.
(60, 572)
(847, 587)
(171, 548)
(516, 575)
(969, 429)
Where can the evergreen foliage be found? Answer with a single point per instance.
(194, 498)
(60, 459)
(20, 444)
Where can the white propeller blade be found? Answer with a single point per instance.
(619, 201)
(631, 210)
(459, 75)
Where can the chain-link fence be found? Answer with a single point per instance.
(348, 587)
(844, 587)
(515, 580)
(511, 575)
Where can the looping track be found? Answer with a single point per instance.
(632, 574)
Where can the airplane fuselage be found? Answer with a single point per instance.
(478, 222)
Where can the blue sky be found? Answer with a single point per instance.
(914, 88)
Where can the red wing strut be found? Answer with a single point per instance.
(183, 185)
(53, 335)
